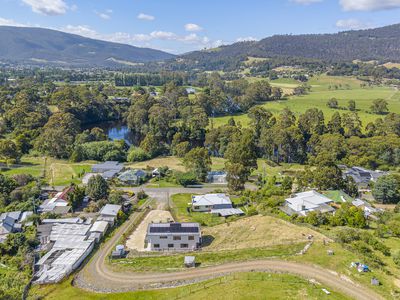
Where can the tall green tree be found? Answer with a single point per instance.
(387, 190)
(97, 188)
(198, 162)
(241, 159)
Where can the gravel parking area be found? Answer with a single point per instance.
(136, 240)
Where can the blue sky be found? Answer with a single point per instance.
(180, 26)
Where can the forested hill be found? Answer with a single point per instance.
(50, 47)
(372, 44)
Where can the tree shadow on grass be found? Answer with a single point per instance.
(207, 240)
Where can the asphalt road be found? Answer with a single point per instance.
(99, 277)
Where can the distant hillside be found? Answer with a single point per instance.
(50, 47)
(373, 44)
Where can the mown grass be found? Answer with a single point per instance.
(56, 172)
(180, 212)
(321, 93)
(174, 262)
(237, 286)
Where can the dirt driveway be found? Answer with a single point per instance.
(136, 240)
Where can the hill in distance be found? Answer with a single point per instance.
(51, 47)
(381, 44)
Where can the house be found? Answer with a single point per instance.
(219, 204)
(365, 206)
(59, 200)
(217, 177)
(363, 177)
(173, 237)
(132, 176)
(11, 222)
(303, 203)
(107, 166)
(119, 252)
(109, 213)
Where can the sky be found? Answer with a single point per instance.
(179, 26)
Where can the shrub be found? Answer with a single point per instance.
(137, 154)
(185, 179)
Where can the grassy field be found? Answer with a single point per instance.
(172, 162)
(341, 260)
(174, 262)
(238, 286)
(257, 231)
(57, 172)
(321, 93)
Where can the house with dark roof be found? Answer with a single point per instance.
(173, 237)
(363, 177)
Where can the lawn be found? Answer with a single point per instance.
(237, 286)
(181, 214)
(337, 196)
(174, 262)
(321, 93)
(57, 172)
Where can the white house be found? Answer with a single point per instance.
(109, 213)
(173, 237)
(303, 203)
(217, 177)
(219, 204)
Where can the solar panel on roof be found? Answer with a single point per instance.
(174, 228)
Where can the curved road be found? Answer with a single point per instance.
(97, 276)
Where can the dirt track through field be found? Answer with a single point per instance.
(99, 277)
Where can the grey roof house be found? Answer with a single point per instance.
(132, 176)
(11, 222)
(363, 176)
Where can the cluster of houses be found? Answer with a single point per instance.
(113, 169)
(57, 204)
(68, 242)
(12, 222)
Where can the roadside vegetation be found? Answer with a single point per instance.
(238, 286)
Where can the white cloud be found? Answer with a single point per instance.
(47, 7)
(352, 24)
(369, 5)
(306, 2)
(134, 39)
(193, 27)
(104, 15)
(10, 22)
(145, 17)
(246, 39)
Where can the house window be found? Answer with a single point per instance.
(177, 238)
(156, 246)
(163, 237)
(170, 245)
(196, 207)
(191, 238)
(184, 246)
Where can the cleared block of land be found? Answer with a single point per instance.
(136, 240)
(255, 232)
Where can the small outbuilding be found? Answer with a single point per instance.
(190, 261)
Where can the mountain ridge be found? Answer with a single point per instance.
(34, 45)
